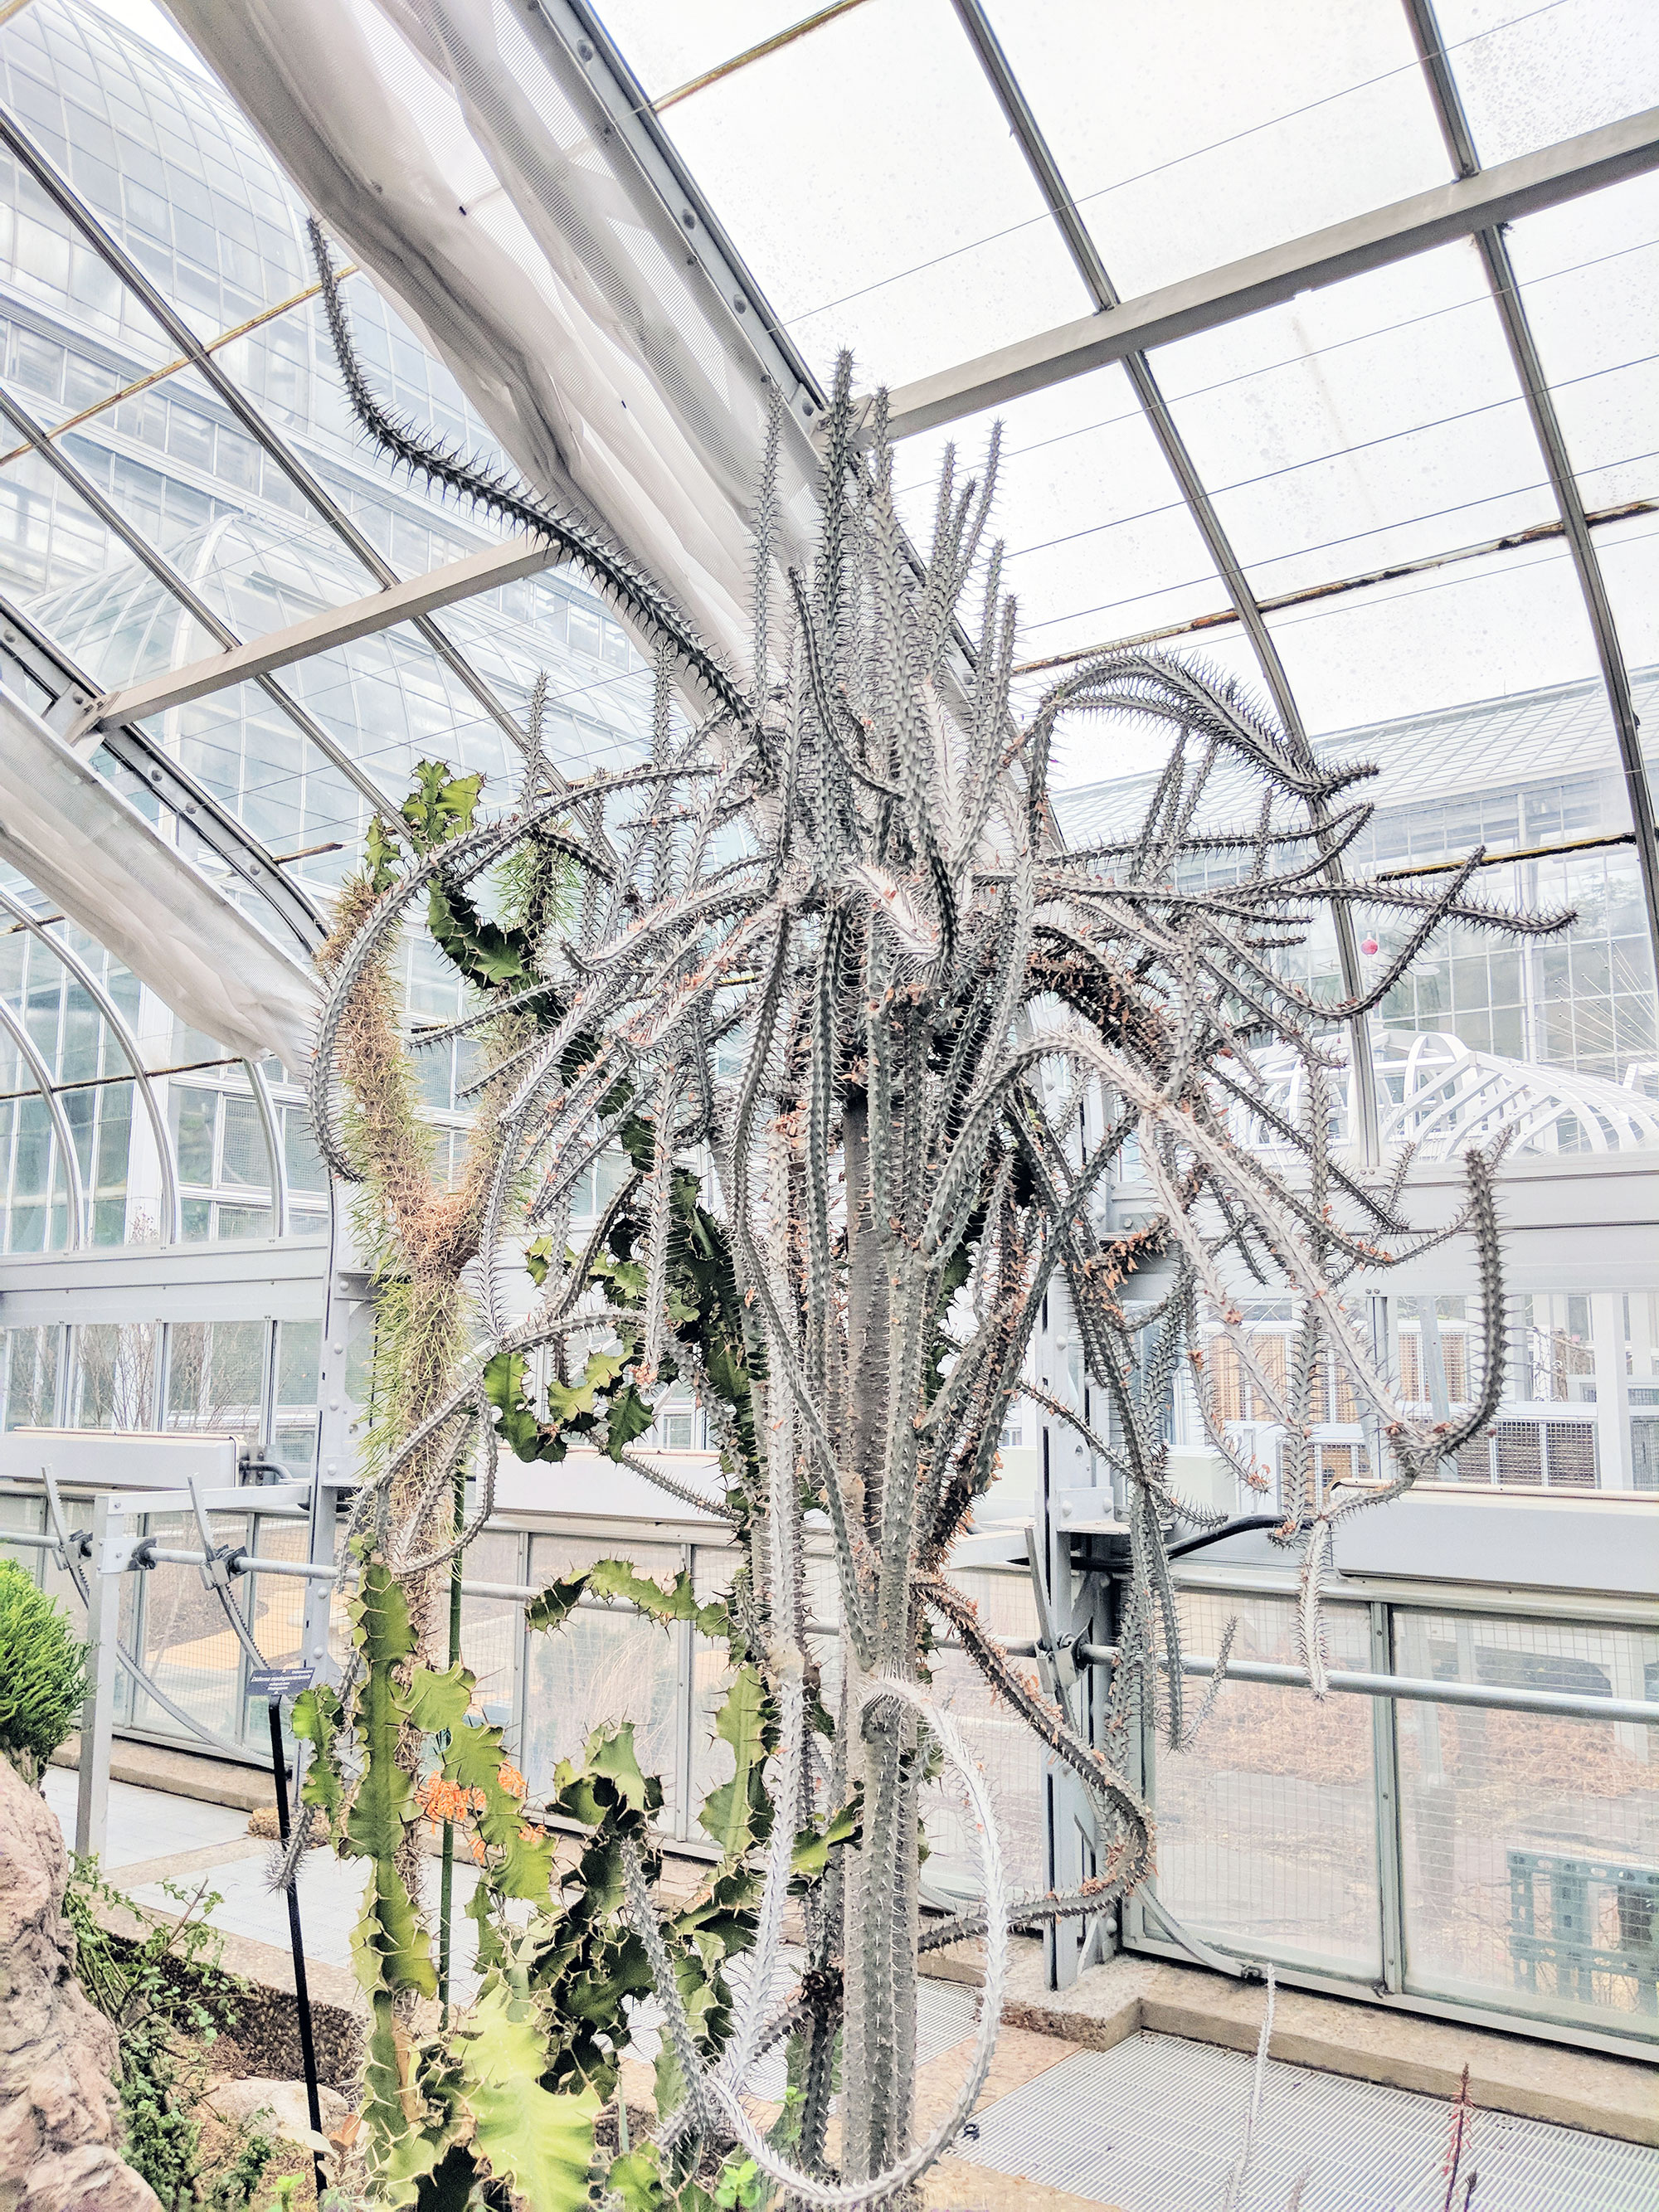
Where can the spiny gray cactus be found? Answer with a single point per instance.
(848, 876)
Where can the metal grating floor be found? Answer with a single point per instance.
(1155, 2126)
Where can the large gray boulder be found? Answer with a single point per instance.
(60, 2124)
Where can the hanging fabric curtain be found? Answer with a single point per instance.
(93, 854)
(458, 152)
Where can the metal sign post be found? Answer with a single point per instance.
(274, 1683)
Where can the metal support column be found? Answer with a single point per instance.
(335, 1457)
(98, 1713)
(1385, 1769)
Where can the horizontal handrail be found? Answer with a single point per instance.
(1418, 1689)
(1561, 1704)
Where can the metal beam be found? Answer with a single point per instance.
(1537, 533)
(110, 251)
(1546, 429)
(318, 633)
(170, 580)
(746, 313)
(70, 689)
(1395, 233)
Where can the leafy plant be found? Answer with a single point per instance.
(42, 1672)
(169, 1999)
(838, 997)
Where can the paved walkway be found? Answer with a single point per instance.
(1152, 2125)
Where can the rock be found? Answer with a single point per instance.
(283, 2104)
(262, 1822)
(60, 2117)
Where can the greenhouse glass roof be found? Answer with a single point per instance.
(1321, 337)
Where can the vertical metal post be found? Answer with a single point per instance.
(1385, 1767)
(60, 1381)
(685, 1709)
(268, 1399)
(163, 1391)
(447, 1874)
(98, 1713)
(1611, 1390)
(302, 1990)
(333, 1464)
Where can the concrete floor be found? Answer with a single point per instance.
(1084, 2107)
(146, 1823)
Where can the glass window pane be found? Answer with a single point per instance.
(1292, 118)
(1530, 1874)
(666, 48)
(115, 1374)
(1494, 628)
(215, 1377)
(246, 1158)
(31, 1375)
(923, 242)
(1366, 424)
(1099, 541)
(1267, 1827)
(1531, 76)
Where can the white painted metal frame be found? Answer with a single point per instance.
(319, 633)
(1546, 429)
(172, 1229)
(109, 250)
(1395, 233)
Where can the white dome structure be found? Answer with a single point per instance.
(1438, 1095)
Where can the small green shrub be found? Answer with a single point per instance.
(42, 1672)
(168, 1998)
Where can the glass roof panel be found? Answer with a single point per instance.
(1507, 622)
(1629, 556)
(667, 44)
(1587, 273)
(55, 550)
(1100, 543)
(1530, 76)
(1191, 136)
(1365, 425)
(870, 182)
(164, 159)
(250, 755)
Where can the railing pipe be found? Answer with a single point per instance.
(1418, 1689)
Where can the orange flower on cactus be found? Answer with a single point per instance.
(478, 1849)
(511, 1780)
(441, 1800)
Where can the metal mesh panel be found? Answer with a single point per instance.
(1530, 1847)
(1267, 1827)
(1156, 2124)
(492, 1633)
(1520, 1453)
(600, 1666)
(1570, 1455)
(190, 1650)
(1005, 1748)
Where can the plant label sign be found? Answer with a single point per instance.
(275, 1682)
